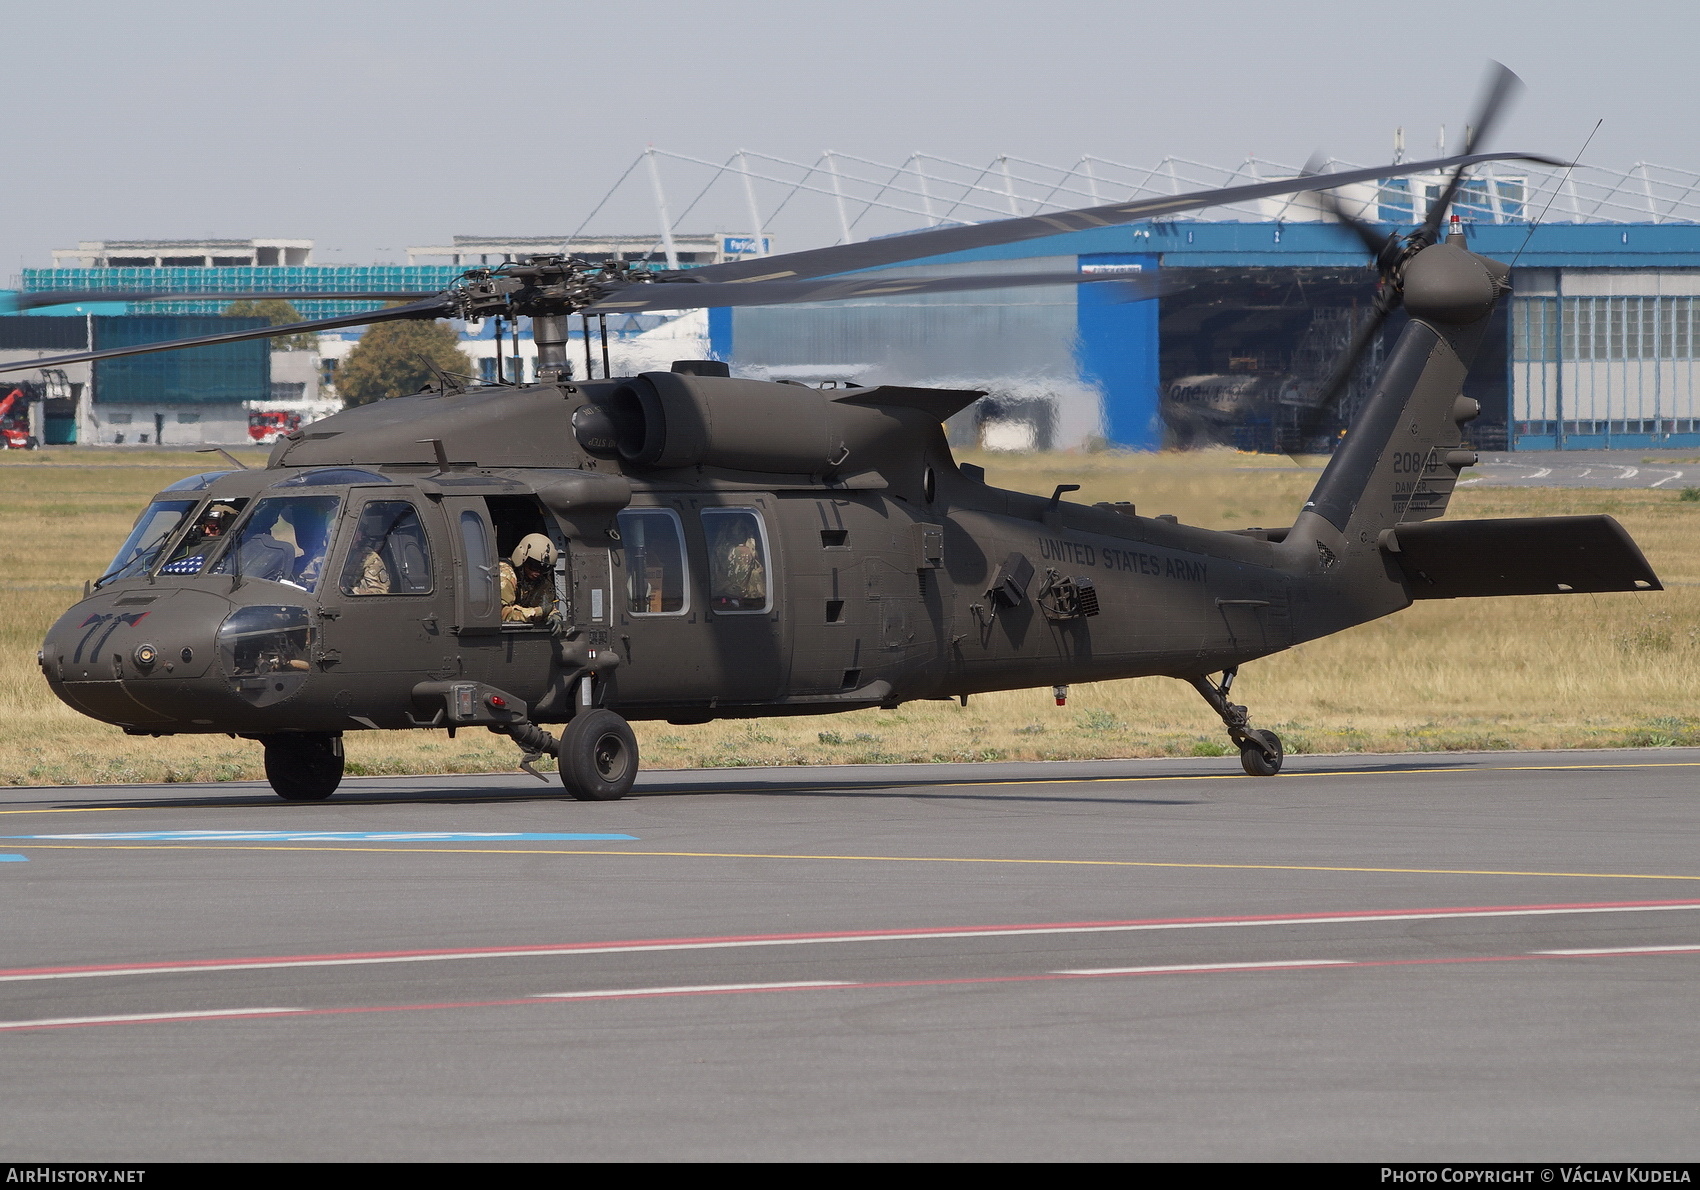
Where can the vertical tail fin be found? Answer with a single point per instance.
(1403, 453)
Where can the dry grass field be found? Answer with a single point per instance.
(1548, 672)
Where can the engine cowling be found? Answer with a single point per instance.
(666, 420)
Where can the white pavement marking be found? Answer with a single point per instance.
(1623, 950)
(569, 949)
(707, 987)
(1210, 967)
(1666, 479)
(1628, 472)
(146, 1016)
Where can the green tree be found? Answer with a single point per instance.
(279, 313)
(391, 360)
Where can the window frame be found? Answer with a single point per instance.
(678, 522)
(703, 515)
(351, 535)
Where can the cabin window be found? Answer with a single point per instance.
(654, 542)
(283, 541)
(480, 566)
(390, 554)
(737, 560)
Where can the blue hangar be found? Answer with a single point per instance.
(1597, 347)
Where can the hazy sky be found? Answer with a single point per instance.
(371, 126)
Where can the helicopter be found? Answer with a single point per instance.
(715, 547)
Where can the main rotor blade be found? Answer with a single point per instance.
(845, 258)
(681, 296)
(433, 308)
(1372, 237)
(1501, 86)
(76, 297)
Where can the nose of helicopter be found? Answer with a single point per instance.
(142, 658)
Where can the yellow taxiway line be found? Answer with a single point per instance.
(25, 845)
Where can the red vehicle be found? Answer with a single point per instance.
(14, 435)
(267, 425)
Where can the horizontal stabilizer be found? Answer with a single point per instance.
(1518, 556)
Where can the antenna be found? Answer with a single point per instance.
(584, 325)
(602, 321)
(207, 450)
(501, 375)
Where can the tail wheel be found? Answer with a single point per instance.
(1261, 755)
(598, 757)
(304, 768)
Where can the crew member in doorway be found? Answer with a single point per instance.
(528, 595)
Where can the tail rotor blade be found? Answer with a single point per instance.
(1502, 85)
(1328, 396)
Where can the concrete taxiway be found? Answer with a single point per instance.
(1669, 469)
(1434, 957)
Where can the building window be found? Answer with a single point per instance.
(118, 419)
(188, 419)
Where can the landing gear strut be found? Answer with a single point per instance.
(305, 767)
(1260, 751)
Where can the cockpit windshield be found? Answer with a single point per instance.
(153, 529)
(284, 541)
(210, 528)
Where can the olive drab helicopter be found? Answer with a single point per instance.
(726, 548)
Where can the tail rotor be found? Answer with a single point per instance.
(1393, 252)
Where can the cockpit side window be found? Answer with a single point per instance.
(284, 540)
(389, 554)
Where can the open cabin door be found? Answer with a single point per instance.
(515, 658)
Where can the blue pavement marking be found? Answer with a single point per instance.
(14, 859)
(333, 837)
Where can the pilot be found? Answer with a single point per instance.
(312, 537)
(265, 554)
(528, 595)
(366, 572)
(192, 555)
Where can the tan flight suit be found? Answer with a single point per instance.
(374, 575)
(525, 602)
(744, 578)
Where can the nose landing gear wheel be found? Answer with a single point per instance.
(304, 768)
(1257, 761)
(598, 757)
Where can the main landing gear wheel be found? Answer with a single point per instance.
(598, 757)
(304, 768)
(1264, 761)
